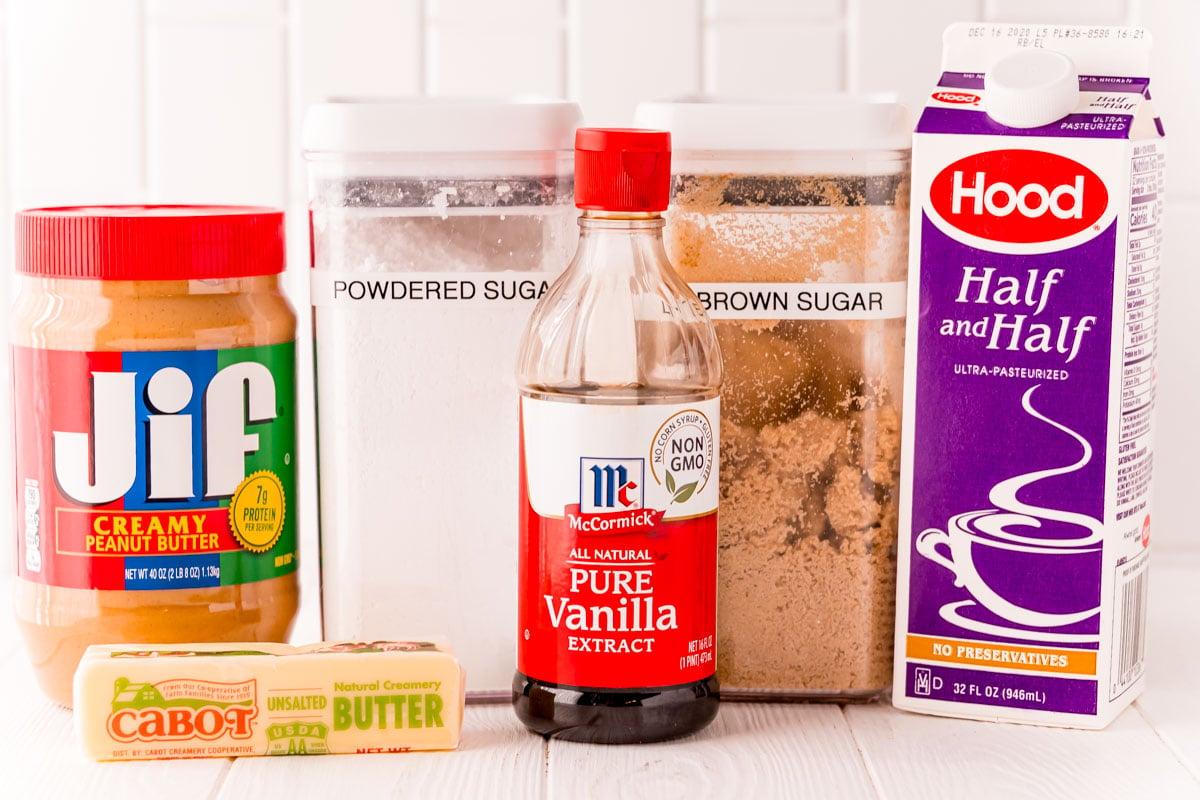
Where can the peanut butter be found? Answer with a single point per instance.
(153, 358)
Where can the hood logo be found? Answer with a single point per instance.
(1018, 196)
(958, 98)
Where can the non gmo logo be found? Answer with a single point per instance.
(1019, 196)
(957, 98)
(683, 454)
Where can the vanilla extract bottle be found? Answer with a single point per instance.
(619, 374)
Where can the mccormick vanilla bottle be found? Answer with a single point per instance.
(620, 376)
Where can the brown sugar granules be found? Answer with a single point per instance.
(810, 432)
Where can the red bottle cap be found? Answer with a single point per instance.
(150, 243)
(622, 169)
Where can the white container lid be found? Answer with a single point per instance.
(822, 122)
(1030, 88)
(440, 125)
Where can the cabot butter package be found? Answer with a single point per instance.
(253, 699)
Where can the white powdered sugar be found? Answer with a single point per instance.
(418, 314)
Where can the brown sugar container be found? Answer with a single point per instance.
(790, 221)
(154, 384)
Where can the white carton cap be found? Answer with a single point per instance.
(440, 125)
(824, 122)
(1030, 88)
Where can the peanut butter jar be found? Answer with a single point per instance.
(153, 358)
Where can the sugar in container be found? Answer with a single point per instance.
(436, 226)
(790, 222)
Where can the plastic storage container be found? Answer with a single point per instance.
(436, 226)
(790, 221)
(154, 386)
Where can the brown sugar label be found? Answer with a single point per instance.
(833, 301)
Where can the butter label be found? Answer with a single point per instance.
(180, 710)
(267, 699)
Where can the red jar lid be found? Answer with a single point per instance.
(150, 243)
(622, 169)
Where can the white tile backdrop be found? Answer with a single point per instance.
(201, 101)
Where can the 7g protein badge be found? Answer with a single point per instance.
(257, 510)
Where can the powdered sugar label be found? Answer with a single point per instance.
(844, 301)
(619, 543)
(395, 289)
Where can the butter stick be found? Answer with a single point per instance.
(253, 699)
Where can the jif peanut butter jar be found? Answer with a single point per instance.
(153, 357)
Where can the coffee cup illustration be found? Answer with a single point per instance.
(1031, 566)
(1043, 585)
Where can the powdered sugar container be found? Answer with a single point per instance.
(790, 222)
(436, 226)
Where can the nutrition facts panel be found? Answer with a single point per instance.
(1141, 321)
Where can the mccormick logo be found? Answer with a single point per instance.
(957, 98)
(610, 498)
(1019, 196)
(610, 484)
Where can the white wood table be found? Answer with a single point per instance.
(751, 751)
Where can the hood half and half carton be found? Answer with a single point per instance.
(1027, 451)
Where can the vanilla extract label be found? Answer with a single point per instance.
(610, 555)
(618, 529)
